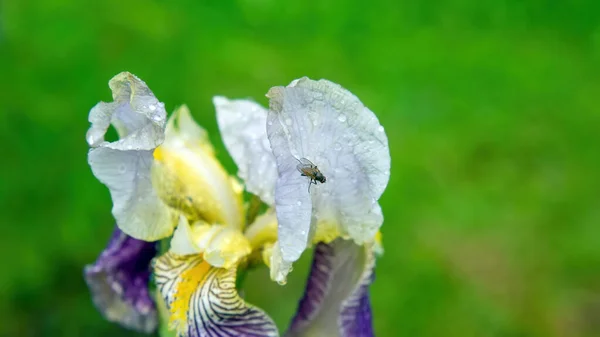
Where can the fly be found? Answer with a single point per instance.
(310, 170)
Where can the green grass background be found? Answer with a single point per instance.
(492, 213)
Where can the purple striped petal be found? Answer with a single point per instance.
(203, 300)
(356, 319)
(336, 299)
(119, 280)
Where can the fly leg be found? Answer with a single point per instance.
(312, 181)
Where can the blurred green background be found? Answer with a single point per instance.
(491, 109)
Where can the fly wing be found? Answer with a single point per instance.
(306, 162)
(304, 166)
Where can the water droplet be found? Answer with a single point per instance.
(90, 139)
(380, 128)
(270, 122)
(342, 118)
(342, 102)
(151, 107)
(302, 232)
(281, 282)
(117, 287)
(288, 121)
(129, 147)
(337, 146)
(299, 203)
(157, 118)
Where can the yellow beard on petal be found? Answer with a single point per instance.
(192, 278)
(326, 232)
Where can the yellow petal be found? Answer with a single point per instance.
(221, 246)
(267, 254)
(326, 232)
(188, 177)
(203, 300)
(263, 230)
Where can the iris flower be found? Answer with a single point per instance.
(166, 184)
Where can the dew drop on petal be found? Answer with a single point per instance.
(90, 139)
(380, 128)
(117, 287)
(299, 203)
(337, 146)
(152, 107)
(342, 118)
(270, 122)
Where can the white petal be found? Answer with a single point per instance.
(292, 200)
(136, 114)
(136, 207)
(326, 124)
(243, 128)
(124, 165)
